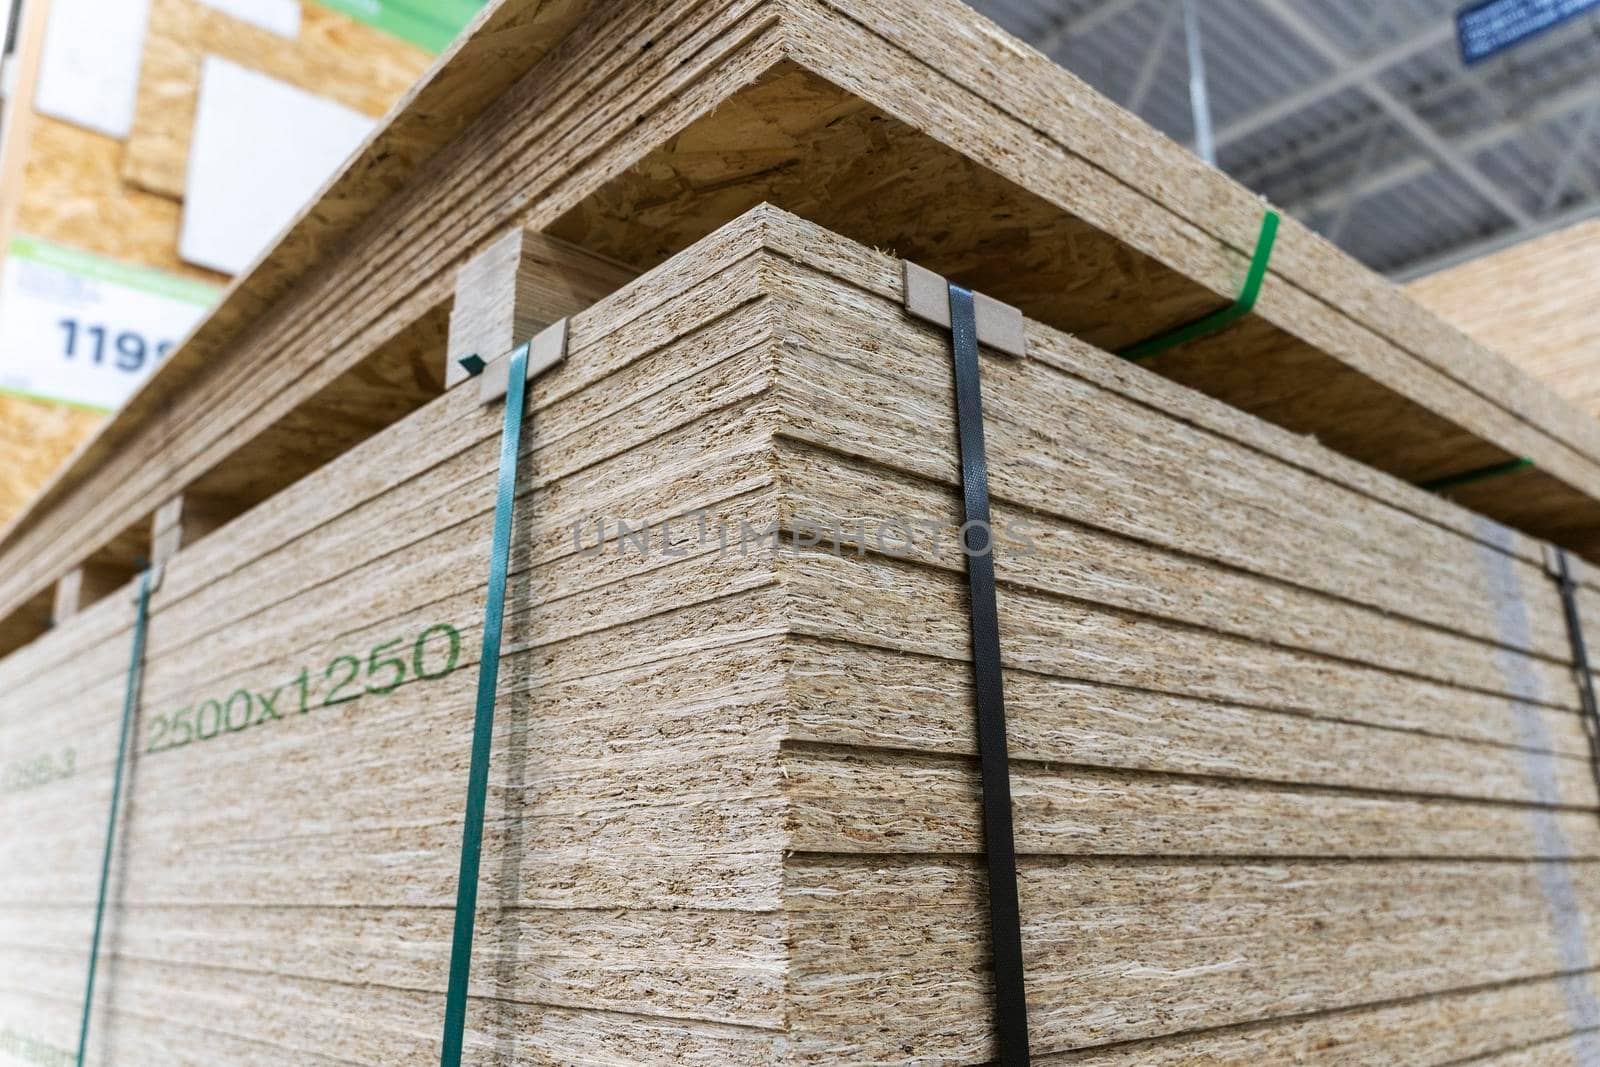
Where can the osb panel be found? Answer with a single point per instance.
(334, 56)
(753, 825)
(797, 141)
(35, 438)
(421, 278)
(72, 193)
(599, 99)
(1550, 329)
(794, 139)
(1030, 87)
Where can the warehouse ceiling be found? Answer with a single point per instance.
(1357, 116)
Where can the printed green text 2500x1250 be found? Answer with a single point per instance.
(431, 655)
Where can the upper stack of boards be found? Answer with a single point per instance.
(1300, 761)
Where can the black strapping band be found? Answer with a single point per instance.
(1005, 921)
(1562, 572)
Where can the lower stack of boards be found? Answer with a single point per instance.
(1299, 768)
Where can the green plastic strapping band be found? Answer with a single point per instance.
(1494, 470)
(1218, 320)
(455, 1007)
(130, 700)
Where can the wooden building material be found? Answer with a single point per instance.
(79, 588)
(179, 522)
(733, 804)
(72, 193)
(516, 287)
(1447, 1029)
(709, 83)
(1531, 304)
(1357, 391)
(1034, 90)
(914, 952)
(36, 438)
(1299, 752)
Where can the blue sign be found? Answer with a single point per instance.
(1487, 28)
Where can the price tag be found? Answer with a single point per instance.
(86, 330)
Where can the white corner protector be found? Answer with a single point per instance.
(1000, 326)
(548, 348)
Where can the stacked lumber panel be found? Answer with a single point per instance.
(1176, 879)
(658, 407)
(1532, 304)
(1299, 770)
(1299, 765)
(634, 129)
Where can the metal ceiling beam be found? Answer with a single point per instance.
(1153, 55)
(1369, 155)
(1071, 26)
(1496, 243)
(1343, 77)
(1205, 145)
(1550, 108)
(1260, 169)
(1576, 148)
(1346, 137)
(1448, 155)
(1539, 140)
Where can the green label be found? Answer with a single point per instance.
(429, 24)
(89, 265)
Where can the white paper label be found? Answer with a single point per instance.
(278, 16)
(89, 73)
(261, 150)
(5, 29)
(86, 330)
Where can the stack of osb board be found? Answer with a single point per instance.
(1298, 765)
(123, 198)
(634, 129)
(36, 437)
(1298, 762)
(1533, 304)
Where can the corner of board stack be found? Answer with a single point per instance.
(1300, 765)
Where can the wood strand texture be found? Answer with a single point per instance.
(1298, 766)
